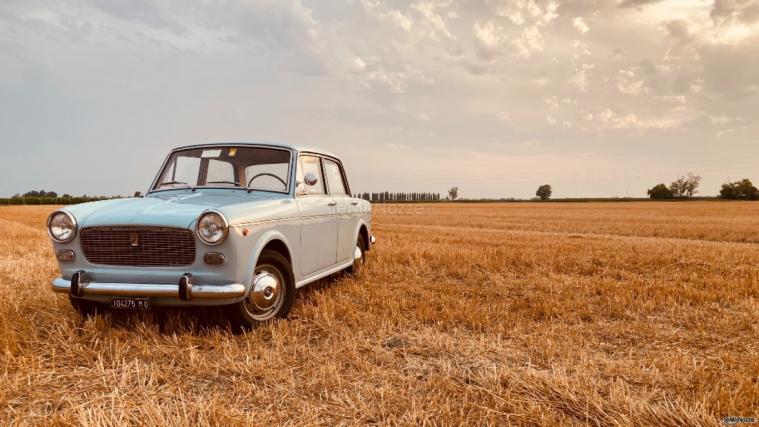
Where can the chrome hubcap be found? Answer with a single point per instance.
(266, 293)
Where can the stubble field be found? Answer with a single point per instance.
(527, 314)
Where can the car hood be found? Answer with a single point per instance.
(174, 209)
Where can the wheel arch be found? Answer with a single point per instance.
(271, 240)
(363, 230)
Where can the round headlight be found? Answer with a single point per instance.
(61, 226)
(212, 228)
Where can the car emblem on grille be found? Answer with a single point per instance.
(135, 238)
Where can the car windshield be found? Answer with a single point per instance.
(254, 168)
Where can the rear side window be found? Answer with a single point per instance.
(310, 164)
(335, 180)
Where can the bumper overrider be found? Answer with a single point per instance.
(185, 289)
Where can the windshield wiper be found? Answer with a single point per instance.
(175, 183)
(231, 182)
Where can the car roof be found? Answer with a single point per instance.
(298, 148)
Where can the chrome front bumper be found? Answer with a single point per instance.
(193, 291)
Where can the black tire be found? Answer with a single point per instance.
(360, 262)
(87, 308)
(245, 314)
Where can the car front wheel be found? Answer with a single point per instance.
(271, 294)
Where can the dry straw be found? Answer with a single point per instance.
(527, 314)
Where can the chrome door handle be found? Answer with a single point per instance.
(354, 203)
(331, 203)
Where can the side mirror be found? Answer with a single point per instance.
(310, 179)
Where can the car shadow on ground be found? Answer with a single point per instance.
(201, 320)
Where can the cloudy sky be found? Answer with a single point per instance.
(596, 97)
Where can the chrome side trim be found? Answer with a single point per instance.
(150, 290)
(271, 221)
(266, 221)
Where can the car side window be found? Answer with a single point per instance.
(310, 164)
(334, 178)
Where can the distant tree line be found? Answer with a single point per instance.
(399, 197)
(43, 197)
(686, 187)
(41, 193)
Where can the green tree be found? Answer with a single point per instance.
(685, 187)
(660, 191)
(739, 190)
(544, 192)
(453, 193)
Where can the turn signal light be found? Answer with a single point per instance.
(65, 255)
(214, 258)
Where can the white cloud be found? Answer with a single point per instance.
(529, 42)
(608, 119)
(522, 12)
(406, 22)
(531, 18)
(581, 77)
(629, 84)
(580, 25)
(726, 12)
(428, 10)
(400, 19)
(487, 34)
(359, 63)
(720, 120)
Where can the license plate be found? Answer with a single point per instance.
(131, 303)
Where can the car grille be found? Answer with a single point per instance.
(138, 246)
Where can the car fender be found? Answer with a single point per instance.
(265, 238)
(359, 223)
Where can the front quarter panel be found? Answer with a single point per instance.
(253, 228)
(364, 214)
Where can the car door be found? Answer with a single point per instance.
(318, 228)
(346, 207)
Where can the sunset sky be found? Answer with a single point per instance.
(596, 98)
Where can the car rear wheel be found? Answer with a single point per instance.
(271, 295)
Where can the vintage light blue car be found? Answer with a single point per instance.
(238, 225)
